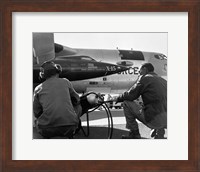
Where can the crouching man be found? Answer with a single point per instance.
(52, 104)
(153, 90)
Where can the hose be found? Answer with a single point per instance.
(105, 106)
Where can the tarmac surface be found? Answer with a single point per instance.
(98, 126)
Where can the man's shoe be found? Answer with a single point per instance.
(159, 134)
(133, 134)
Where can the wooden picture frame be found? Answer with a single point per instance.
(9, 6)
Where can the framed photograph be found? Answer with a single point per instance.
(100, 66)
(176, 27)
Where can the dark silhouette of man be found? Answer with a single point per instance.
(153, 90)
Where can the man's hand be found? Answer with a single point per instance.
(115, 99)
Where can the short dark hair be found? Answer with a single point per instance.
(149, 67)
(49, 68)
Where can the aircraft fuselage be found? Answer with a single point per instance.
(120, 81)
(76, 69)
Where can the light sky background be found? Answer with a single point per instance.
(153, 42)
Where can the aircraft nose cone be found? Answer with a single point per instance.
(112, 69)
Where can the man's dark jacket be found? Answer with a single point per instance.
(153, 90)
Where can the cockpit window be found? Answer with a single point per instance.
(75, 58)
(131, 55)
(87, 58)
(160, 56)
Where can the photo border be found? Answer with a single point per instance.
(6, 9)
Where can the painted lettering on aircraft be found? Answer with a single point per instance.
(111, 68)
(130, 71)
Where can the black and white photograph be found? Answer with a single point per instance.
(100, 85)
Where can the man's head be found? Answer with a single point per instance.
(49, 69)
(146, 68)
